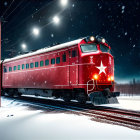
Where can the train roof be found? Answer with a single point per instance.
(40, 51)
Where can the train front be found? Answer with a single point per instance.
(97, 70)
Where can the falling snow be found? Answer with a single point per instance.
(134, 46)
(5, 3)
(125, 33)
(52, 35)
(119, 36)
(123, 7)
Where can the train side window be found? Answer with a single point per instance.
(10, 69)
(53, 61)
(74, 53)
(41, 63)
(15, 68)
(64, 58)
(31, 65)
(69, 53)
(27, 66)
(23, 66)
(18, 67)
(5, 69)
(36, 64)
(58, 60)
(47, 62)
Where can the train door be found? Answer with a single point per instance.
(73, 66)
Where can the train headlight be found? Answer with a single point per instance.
(109, 79)
(95, 77)
(112, 78)
(103, 40)
(92, 38)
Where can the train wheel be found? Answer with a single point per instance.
(81, 98)
(67, 97)
(2, 92)
(10, 92)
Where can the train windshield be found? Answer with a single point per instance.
(88, 48)
(103, 48)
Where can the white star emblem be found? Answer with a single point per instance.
(101, 68)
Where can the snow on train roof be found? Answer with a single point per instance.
(64, 45)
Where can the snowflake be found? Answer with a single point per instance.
(123, 7)
(119, 36)
(134, 46)
(73, 5)
(122, 11)
(125, 33)
(5, 3)
(52, 35)
(100, 7)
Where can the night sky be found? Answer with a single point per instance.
(118, 21)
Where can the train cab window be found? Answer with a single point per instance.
(15, 68)
(47, 62)
(10, 69)
(36, 64)
(31, 65)
(103, 48)
(23, 66)
(58, 60)
(27, 66)
(18, 67)
(53, 61)
(5, 69)
(88, 48)
(64, 58)
(74, 53)
(41, 63)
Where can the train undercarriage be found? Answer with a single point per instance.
(96, 98)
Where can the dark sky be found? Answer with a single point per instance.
(118, 21)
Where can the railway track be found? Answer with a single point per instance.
(127, 118)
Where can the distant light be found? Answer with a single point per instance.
(24, 46)
(92, 38)
(56, 19)
(36, 31)
(103, 40)
(64, 2)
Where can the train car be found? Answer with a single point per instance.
(82, 70)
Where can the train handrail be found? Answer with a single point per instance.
(88, 85)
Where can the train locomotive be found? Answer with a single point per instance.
(79, 70)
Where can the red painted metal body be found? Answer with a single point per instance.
(72, 74)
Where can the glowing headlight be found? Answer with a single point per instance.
(109, 79)
(103, 40)
(95, 77)
(92, 38)
(112, 78)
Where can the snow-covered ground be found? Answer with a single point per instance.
(127, 102)
(19, 122)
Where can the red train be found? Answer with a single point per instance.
(81, 70)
